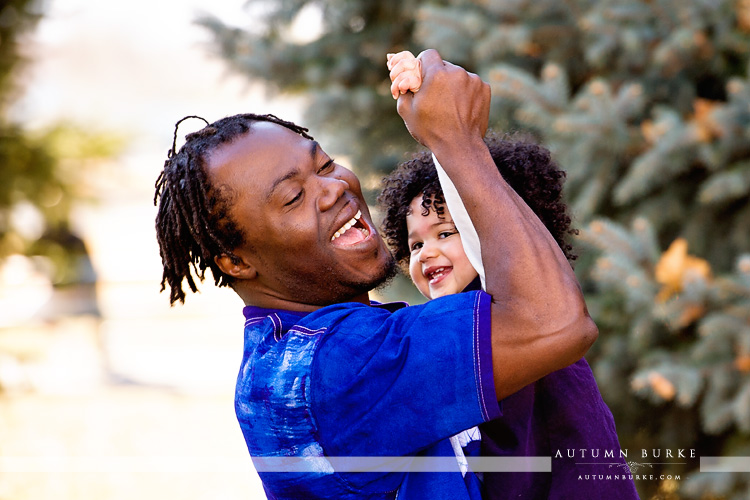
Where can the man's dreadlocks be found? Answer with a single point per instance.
(193, 223)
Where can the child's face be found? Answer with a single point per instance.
(437, 263)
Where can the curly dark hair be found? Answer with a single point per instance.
(527, 167)
(193, 222)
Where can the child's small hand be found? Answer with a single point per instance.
(406, 73)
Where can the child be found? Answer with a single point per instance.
(559, 413)
(562, 412)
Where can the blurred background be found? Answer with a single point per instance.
(106, 392)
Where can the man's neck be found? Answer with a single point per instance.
(266, 301)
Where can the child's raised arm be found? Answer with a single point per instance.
(406, 73)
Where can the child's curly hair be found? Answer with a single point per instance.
(527, 167)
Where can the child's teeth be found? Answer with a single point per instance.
(437, 273)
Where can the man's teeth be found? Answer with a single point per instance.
(348, 225)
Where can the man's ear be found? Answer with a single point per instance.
(235, 267)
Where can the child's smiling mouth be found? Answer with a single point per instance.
(435, 275)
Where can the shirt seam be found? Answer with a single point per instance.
(478, 358)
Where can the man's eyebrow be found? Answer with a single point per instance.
(314, 149)
(292, 173)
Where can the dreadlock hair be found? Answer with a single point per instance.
(193, 223)
(527, 167)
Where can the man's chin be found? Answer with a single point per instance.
(390, 270)
(382, 279)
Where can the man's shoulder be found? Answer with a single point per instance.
(355, 318)
(325, 314)
(352, 314)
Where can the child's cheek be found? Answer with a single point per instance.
(419, 279)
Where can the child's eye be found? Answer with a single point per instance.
(445, 234)
(416, 245)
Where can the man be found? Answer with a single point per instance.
(326, 374)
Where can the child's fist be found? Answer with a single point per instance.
(406, 73)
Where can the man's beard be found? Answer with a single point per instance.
(389, 272)
(340, 289)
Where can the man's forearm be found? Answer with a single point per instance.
(539, 321)
(535, 292)
(462, 220)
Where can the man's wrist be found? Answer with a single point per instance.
(453, 152)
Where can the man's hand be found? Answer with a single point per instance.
(451, 108)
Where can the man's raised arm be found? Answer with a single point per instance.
(539, 319)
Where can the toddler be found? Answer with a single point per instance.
(560, 412)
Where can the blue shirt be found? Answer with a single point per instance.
(355, 380)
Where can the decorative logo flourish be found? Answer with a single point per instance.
(631, 466)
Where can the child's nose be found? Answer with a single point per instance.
(428, 251)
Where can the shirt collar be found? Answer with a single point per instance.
(476, 284)
(252, 312)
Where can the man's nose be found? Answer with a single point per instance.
(332, 188)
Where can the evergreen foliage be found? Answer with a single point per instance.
(343, 71)
(30, 179)
(646, 104)
(40, 170)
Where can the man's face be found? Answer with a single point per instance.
(309, 233)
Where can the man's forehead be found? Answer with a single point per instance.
(264, 140)
(254, 160)
(254, 165)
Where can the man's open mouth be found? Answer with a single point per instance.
(352, 232)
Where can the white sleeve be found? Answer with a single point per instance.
(469, 236)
